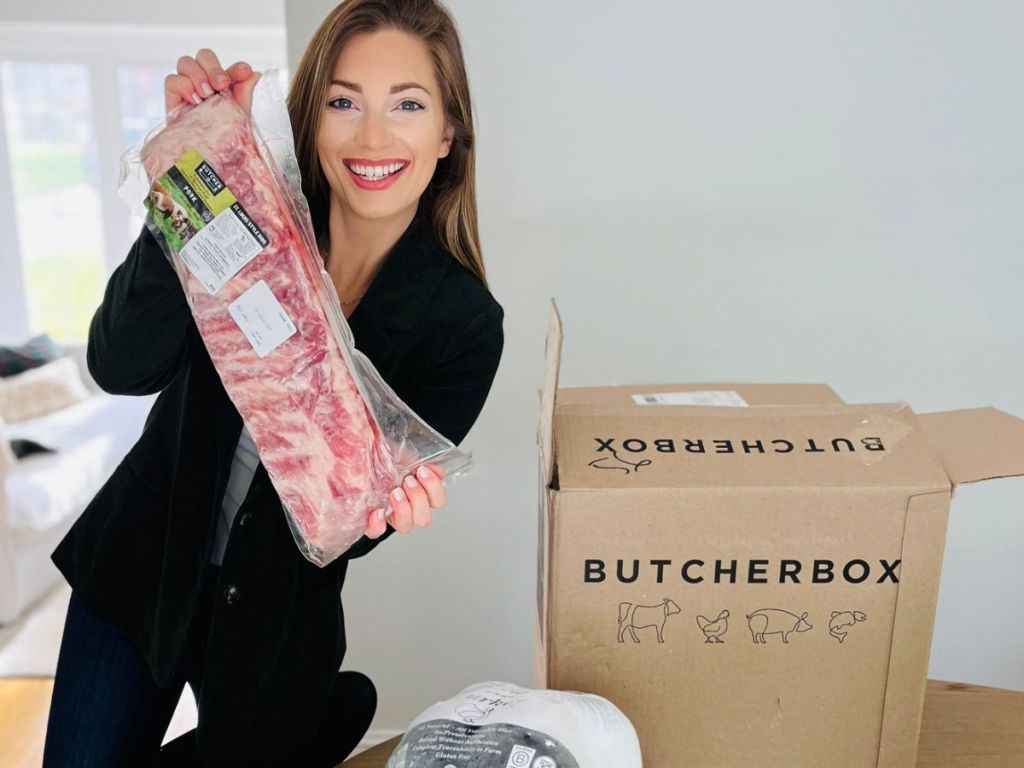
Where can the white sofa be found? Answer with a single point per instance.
(44, 494)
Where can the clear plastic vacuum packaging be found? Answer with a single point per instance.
(221, 192)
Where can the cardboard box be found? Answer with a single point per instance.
(752, 586)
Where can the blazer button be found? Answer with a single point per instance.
(244, 518)
(232, 595)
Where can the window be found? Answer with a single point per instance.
(73, 99)
(48, 112)
(141, 102)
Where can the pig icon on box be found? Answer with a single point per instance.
(775, 621)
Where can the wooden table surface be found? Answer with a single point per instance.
(964, 726)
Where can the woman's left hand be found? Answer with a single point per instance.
(411, 503)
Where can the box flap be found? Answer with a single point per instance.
(552, 363)
(701, 393)
(924, 540)
(875, 445)
(976, 443)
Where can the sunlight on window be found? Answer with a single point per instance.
(141, 92)
(49, 115)
(52, 148)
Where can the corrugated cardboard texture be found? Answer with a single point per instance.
(924, 541)
(873, 446)
(539, 636)
(976, 443)
(552, 362)
(753, 394)
(794, 675)
(754, 585)
(545, 447)
(544, 534)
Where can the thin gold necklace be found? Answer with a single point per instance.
(344, 303)
(352, 301)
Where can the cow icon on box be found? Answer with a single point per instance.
(633, 617)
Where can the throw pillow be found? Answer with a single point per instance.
(41, 391)
(33, 353)
(22, 447)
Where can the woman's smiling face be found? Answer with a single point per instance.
(384, 127)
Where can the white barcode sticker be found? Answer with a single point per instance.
(719, 397)
(220, 249)
(262, 318)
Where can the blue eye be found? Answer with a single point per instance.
(402, 106)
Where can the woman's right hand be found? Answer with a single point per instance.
(200, 77)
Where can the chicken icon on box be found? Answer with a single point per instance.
(714, 629)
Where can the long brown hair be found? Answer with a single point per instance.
(449, 201)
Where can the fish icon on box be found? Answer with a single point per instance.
(840, 621)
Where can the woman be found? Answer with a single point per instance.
(183, 566)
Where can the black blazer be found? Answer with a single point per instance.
(137, 553)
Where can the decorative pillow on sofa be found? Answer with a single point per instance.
(35, 352)
(22, 447)
(41, 391)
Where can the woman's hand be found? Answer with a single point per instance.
(200, 77)
(412, 502)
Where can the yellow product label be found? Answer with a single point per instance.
(204, 181)
(203, 222)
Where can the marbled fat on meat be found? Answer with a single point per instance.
(314, 433)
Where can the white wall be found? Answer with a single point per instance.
(134, 12)
(795, 191)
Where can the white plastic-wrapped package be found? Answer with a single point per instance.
(501, 725)
(222, 195)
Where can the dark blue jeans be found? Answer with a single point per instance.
(107, 710)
